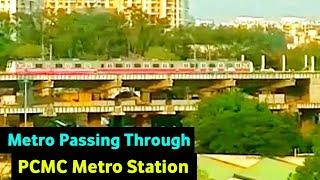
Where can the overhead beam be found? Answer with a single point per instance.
(43, 85)
(279, 84)
(220, 85)
(117, 83)
(161, 85)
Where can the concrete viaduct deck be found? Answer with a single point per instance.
(125, 109)
(92, 77)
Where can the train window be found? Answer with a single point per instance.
(155, 65)
(185, 65)
(171, 65)
(212, 65)
(238, 65)
(192, 65)
(58, 65)
(119, 65)
(147, 65)
(165, 65)
(102, 65)
(38, 65)
(221, 65)
(109, 65)
(77, 65)
(203, 65)
(128, 65)
(137, 65)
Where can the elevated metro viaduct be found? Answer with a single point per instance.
(145, 95)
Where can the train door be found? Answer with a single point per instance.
(238, 67)
(11, 67)
(248, 67)
(221, 67)
(146, 65)
(68, 65)
(128, 66)
(203, 67)
(87, 66)
(230, 67)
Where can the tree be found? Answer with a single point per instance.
(296, 56)
(157, 52)
(231, 123)
(29, 28)
(143, 31)
(88, 34)
(5, 171)
(7, 44)
(26, 50)
(311, 170)
(202, 175)
(178, 41)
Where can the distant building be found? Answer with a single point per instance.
(292, 20)
(29, 6)
(201, 22)
(23, 6)
(249, 22)
(176, 11)
(8, 6)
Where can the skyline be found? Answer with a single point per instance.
(228, 10)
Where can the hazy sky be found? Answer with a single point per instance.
(226, 10)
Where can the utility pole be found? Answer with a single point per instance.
(42, 36)
(209, 52)
(50, 52)
(42, 41)
(25, 101)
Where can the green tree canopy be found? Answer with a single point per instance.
(311, 170)
(161, 53)
(143, 31)
(202, 175)
(232, 123)
(26, 50)
(82, 34)
(296, 56)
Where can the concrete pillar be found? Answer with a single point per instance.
(143, 121)
(305, 61)
(284, 62)
(263, 62)
(243, 58)
(313, 63)
(146, 96)
(314, 88)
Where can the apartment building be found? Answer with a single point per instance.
(24, 6)
(176, 11)
(29, 6)
(8, 6)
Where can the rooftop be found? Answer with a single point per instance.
(226, 167)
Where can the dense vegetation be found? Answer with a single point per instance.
(96, 35)
(202, 175)
(310, 170)
(233, 124)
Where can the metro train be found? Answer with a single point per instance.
(75, 67)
